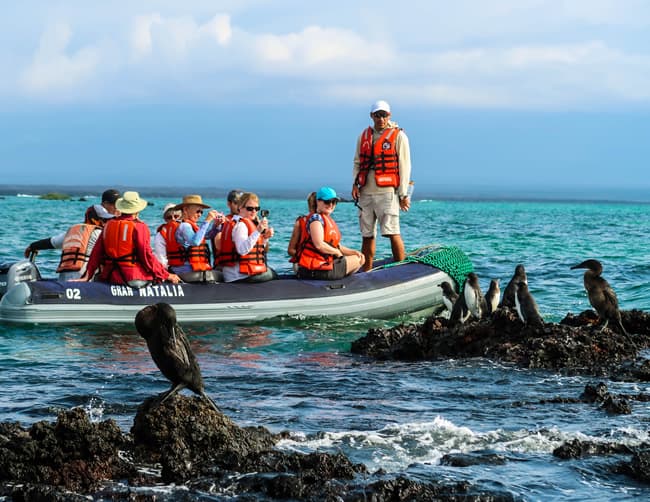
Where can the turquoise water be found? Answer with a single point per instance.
(300, 376)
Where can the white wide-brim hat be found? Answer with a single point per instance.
(130, 203)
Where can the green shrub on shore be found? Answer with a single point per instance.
(55, 196)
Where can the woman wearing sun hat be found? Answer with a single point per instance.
(124, 249)
(187, 251)
(322, 255)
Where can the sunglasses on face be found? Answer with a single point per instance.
(331, 202)
(252, 208)
(381, 114)
(199, 211)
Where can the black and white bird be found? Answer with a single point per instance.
(493, 296)
(526, 306)
(601, 295)
(449, 296)
(474, 298)
(170, 350)
(508, 299)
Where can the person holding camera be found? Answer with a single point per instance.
(381, 174)
(323, 256)
(243, 243)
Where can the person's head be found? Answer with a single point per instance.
(171, 213)
(311, 202)
(233, 199)
(380, 114)
(326, 200)
(192, 207)
(249, 205)
(109, 197)
(130, 203)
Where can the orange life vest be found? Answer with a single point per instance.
(252, 263)
(177, 255)
(310, 257)
(303, 237)
(76, 252)
(380, 156)
(119, 245)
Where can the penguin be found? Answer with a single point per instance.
(508, 299)
(526, 306)
(449, 296)
(493, 296)
(170, 350)
(601, 295)
(459, 313)
(474, 298)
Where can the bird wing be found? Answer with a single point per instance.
(178, 347)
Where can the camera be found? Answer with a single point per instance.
(264, 213)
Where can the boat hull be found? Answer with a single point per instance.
(381, 294)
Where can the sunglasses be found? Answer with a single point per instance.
(381, 114)
(331, 202)
(252, 208)
(199, 211)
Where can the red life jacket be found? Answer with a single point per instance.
(177, 255)
(380, 156)
(119, 245)
(76, 252)
(303, 237)
(310, 257)
(252, 263)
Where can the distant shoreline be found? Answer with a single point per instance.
(464, 194)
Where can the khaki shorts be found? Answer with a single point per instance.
(382, 207)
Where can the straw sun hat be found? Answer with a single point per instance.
(130, 203)
(192, 200)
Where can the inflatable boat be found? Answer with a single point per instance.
(389, 290)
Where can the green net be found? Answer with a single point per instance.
(449, 259)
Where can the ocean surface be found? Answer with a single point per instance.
(299, 375)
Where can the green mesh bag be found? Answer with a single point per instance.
(449, 259)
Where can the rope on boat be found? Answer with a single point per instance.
(449, 259)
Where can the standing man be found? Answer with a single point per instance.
(381, 174)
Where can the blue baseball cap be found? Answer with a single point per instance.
(326, 193)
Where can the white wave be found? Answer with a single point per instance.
(26, 195)
(395, 447)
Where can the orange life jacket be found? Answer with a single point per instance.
(303, 237)
(310, 257)
(119, 245)
(217, 250)
(177, 255)
(252, 263)
(380, 156)
(76, 252)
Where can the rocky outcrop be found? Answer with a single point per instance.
(573, 345)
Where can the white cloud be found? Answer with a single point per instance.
(54, 68)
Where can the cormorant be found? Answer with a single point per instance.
(170, 350)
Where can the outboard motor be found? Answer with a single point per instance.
(17, 272)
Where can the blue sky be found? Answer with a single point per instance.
(499, 97)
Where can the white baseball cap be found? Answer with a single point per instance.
(380, 105)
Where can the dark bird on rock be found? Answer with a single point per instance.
(601, 295)
(526, 306)
(474, 298)
(449, 296)
(170, 350)
(508, 299)
(493, 296)
(459, 313)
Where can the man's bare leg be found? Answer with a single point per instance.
(368, 250)
(397, 246)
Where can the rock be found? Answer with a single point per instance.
(639, 466)
(578, 449)
(473, 458)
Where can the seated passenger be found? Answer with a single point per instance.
(123, 250)
(188, 254)
(77, 243)
(323, 256)
(172, 218)
(299, 233)
(243, 244)
(232, 201)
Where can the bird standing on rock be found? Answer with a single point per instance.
(493, 296)
(474, 298)
(509, 293)
(526, 306)
(449, 296)
(601, 295)
(170, 350)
